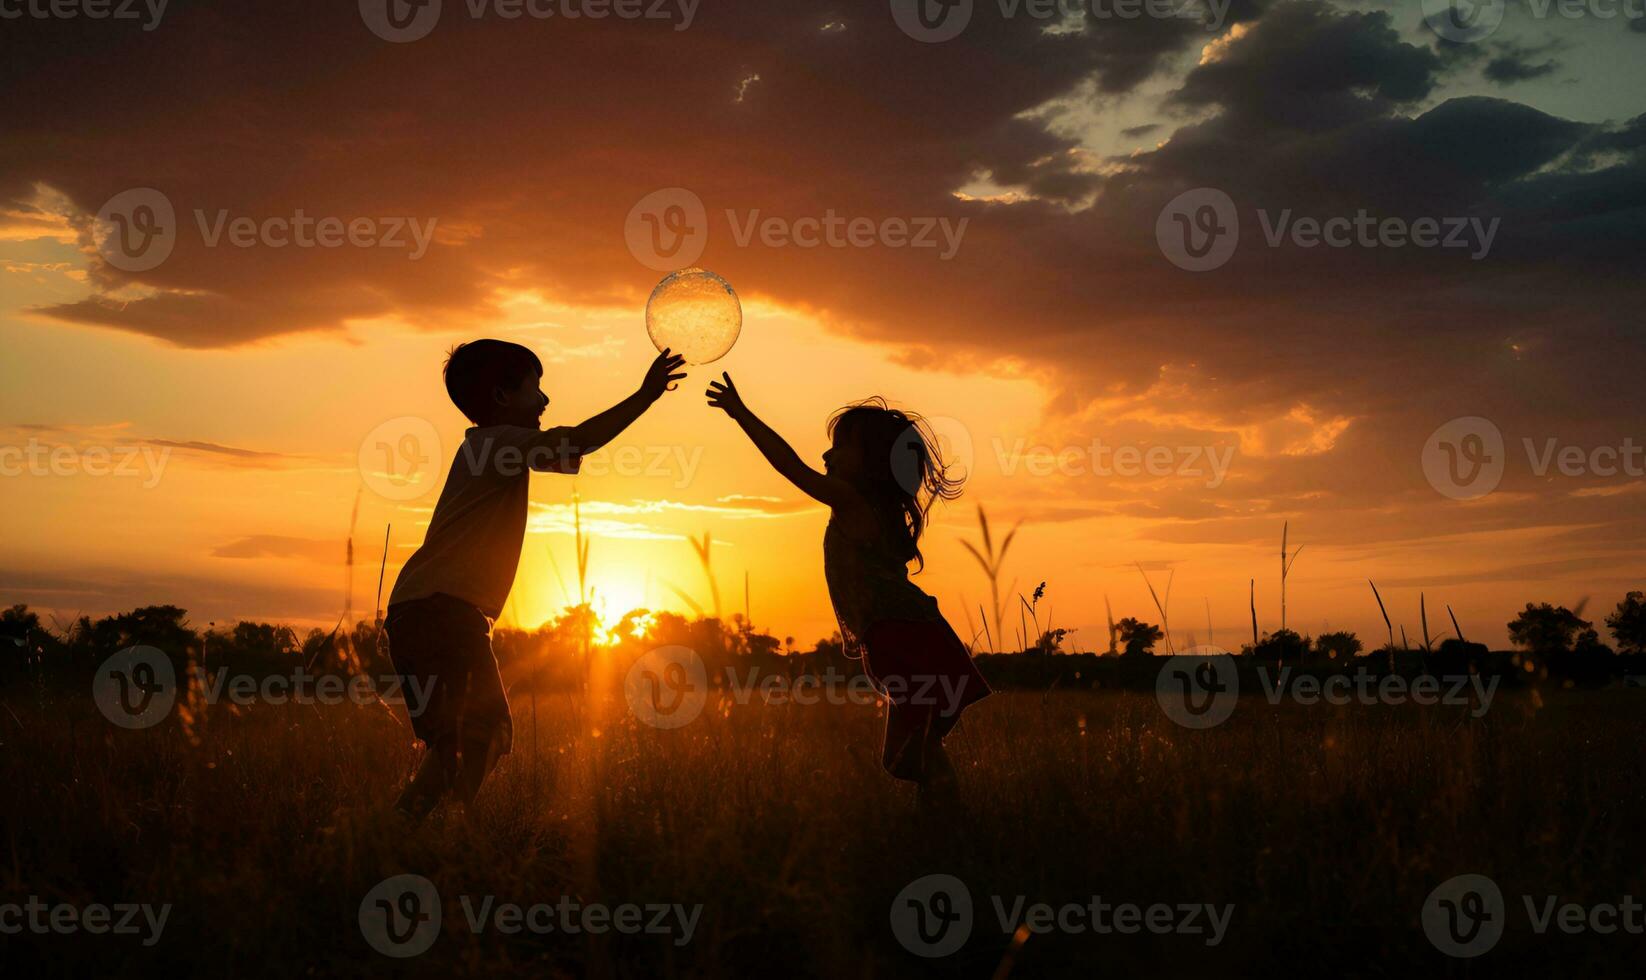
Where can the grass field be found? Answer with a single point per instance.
(1325, 827)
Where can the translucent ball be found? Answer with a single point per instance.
(694, 313)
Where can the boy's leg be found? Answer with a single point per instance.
(426, 646)
(486, 728)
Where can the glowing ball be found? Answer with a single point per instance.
(694, 313)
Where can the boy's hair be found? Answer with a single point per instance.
(905, 470)
(473, 369)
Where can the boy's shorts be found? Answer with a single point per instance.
(441, 648)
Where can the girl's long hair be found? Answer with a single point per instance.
(903, 466)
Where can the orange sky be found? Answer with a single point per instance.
(1056, 329)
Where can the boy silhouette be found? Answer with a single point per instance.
(453, 587)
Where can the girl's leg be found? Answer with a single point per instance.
(903, 754)
(938, 788)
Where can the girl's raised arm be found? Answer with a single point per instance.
(821, 487)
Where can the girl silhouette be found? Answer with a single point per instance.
(879, 480)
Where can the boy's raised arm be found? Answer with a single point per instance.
(821, 487)
(593, 433)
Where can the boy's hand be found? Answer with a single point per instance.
(660, 376)
(723, 395)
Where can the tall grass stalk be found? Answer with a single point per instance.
(1161, 607)
(991, 561)
(1285, 568)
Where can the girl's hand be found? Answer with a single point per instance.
(723, 395)
(660, 376)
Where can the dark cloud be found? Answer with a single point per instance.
(1130, 51)
(1305, 66)
(1513, 62)
(1511, 68)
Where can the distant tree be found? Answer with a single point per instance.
(1545, 629)
(1588, 643)
(1282, 646)
(1337, 647)
(22, 641)
(1137, 638)
(632, 626)
(1454, 647)
(1628, 623)
(18, 622)
(1454, 657)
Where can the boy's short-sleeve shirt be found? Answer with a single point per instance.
(472, 548)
